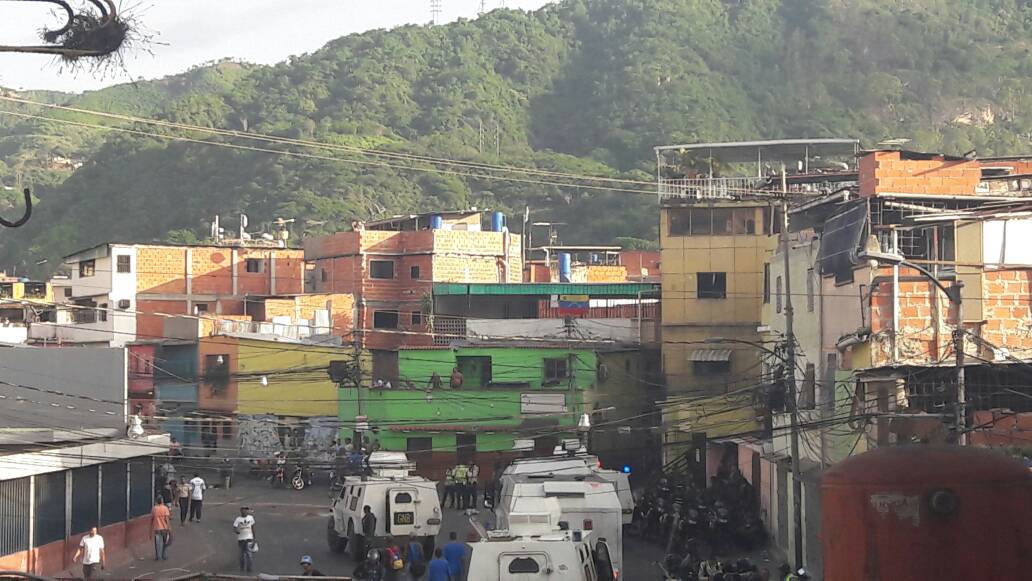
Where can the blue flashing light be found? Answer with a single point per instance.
(626, 469)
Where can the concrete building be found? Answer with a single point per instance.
(390, 267)
(122, 292)
(20, 302)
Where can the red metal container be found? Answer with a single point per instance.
(927, 513)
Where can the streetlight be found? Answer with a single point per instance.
(953, 293)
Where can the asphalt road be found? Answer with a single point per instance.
(290, 524)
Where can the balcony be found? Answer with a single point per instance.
(708, 188)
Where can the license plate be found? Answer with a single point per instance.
(404, 518)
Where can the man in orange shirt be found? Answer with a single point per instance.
(161, 528)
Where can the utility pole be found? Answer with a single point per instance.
(483, 7)
(790, 365)
(480, 131)
(960, 409)
(435, 11)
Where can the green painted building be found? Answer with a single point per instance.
(528, 393)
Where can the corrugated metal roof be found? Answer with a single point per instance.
(710, 355)
(596, 289)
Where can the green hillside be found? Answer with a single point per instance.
(580, 87)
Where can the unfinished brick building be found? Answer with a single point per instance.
(132, 285)
(390, 266)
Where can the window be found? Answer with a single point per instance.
(701, 222)
(711, 285)
(68, 291)
(556, 369)
(385, 320)
(524, 565)
(323, 276)
(723, 223)
(809, 290)
(417, 318)
(419, 444)
(476, 370)
(413, 272)
(124, 263)
(680, 222)
(403, 498)
(744, 221)
(766, 283)
(777, 294)
(216, 367)
(710, 368)
(102, 310)
(381, 269)
(254, 265)
(200, 308)
(87, 268)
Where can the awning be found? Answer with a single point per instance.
(710, 355)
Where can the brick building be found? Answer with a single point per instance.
(390, 267)
(126, 288)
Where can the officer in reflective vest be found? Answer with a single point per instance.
(459, 475)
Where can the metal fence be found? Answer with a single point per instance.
(14, 516)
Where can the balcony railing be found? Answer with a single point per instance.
(708, 188)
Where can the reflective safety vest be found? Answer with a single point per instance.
(449, 476)
(460, 473)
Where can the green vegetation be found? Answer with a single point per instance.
(581, 87)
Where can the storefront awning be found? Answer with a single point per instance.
(710, 355)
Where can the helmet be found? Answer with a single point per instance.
(373, 556)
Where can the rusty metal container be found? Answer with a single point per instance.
(923, 513)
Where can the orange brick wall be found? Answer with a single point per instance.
(211, 271)
(153, 327)
(887, 172)
(160, 270)
(1006, 309)
(607, 274)
(340, 305)
(1002, 427)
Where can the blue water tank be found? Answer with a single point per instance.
(497, 221)
(565, 266)
(436, 222)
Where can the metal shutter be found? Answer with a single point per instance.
(50, 506)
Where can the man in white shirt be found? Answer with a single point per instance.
(244, 527)
(91, 549)
(197, 488)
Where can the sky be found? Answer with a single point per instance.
(191, 32)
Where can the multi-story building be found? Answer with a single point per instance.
(20, 302)
(719, 219)
(122, 292)
(391, 265)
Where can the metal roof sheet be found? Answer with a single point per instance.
(595, 289)
(710, 355)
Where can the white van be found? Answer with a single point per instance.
(558, 555)
(405, 506)
(586, 503)
(563, 464)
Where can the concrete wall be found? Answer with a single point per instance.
(619, 330)
(91, 372)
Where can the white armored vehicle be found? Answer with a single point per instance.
(406, 506)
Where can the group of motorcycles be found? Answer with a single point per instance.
(693, 523)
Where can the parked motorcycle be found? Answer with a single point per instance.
(301, 477)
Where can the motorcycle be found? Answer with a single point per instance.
(301, 477)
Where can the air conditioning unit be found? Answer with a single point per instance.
(123, 304)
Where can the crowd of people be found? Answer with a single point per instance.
(698, 527)
(461, 486)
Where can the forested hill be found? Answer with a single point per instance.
(580, 87)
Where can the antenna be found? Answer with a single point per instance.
(243, 227)
(435, 11)
(483, 7)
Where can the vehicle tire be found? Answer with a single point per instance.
(336, 543)
(298, 483)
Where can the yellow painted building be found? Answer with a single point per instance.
(715, 282)
(296, 380)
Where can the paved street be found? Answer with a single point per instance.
(289, 524)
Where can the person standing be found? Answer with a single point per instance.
(455, 554)
(368, 530)
(244, 528)
(449, 487)
(438, 569)
(456, 378)
(394, 562)
(460, 486)
(161, 528)
(416, 560)
(91, 549)
(183, 500)
(472, 475)
(197, 488)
